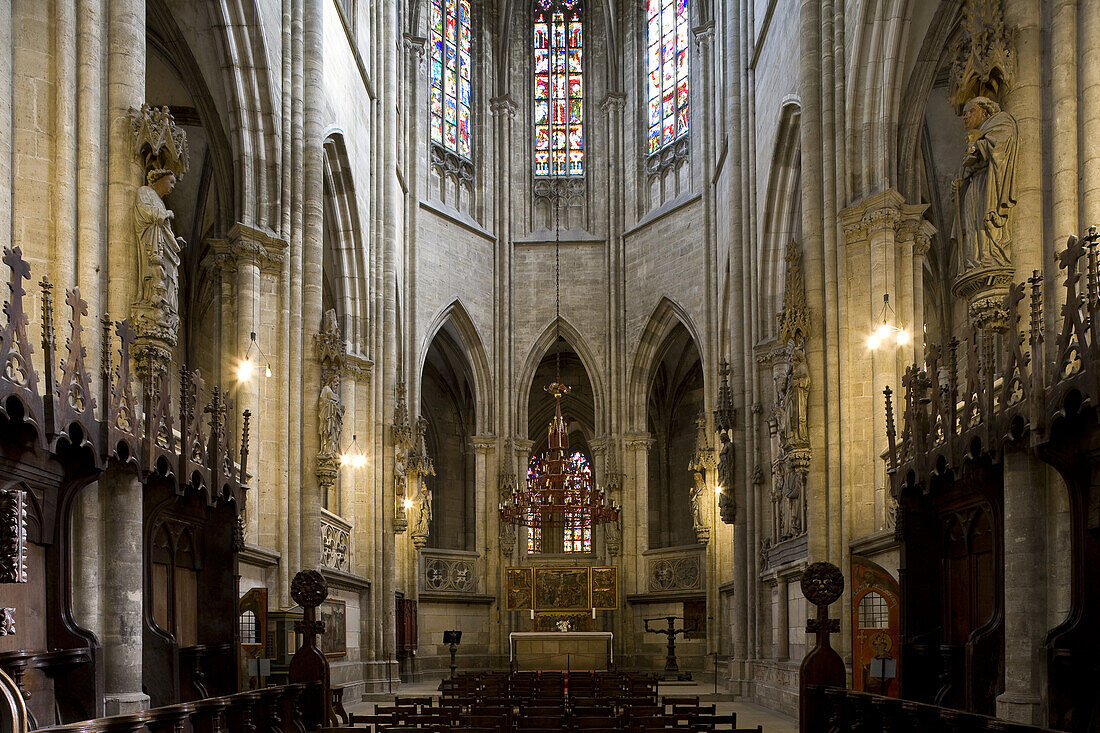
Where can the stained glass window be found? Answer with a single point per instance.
(449, 93)
(666, 72)
(578, 522)
(559, 88)
(577, 529)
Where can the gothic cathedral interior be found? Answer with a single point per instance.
(668, 360)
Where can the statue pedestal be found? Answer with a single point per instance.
(984, 289)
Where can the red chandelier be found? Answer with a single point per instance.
(557, 487)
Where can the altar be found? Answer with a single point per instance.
(560, 650)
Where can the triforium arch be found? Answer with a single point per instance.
(782, 217)
(588, 359)
(344, 267)
(675, 405)
(449, 411)
(667, 315)
(456, 320)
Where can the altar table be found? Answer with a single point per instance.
(560, 650)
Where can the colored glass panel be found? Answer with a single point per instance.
(449, 94)
(558, 44)
(667, 72)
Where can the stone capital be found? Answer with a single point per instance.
(246, 244)
(704, 34)
(884, 211)
(483, 444)
(600, 444)
(613, 102)
(357, 368)
(414, 46)
(638, 441)
(503, 105)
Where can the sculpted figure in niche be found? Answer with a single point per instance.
(158, 246)
(330, 418)
(698, 501)
(424, 518)
(985, 191)
(796, 390)
(726, 504)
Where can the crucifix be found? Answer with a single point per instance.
(672, 669)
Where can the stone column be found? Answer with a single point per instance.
(782, 620)
(125, 89)
(90, 161)
(486, 531)
(1024, 589)
(6, 128)
(122, 598)
(877, 231)
(635, 522)
(1025, 101)
(312, 244)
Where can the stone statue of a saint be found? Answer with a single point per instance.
(330, 419)
(796, 392)
(791, 510)
(424, 516)
(727, 507)
(725, 462)
(985, 191)
(158, 246)
(698, 501)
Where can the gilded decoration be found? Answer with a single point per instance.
(605, 588)
(561, 589)
(519, 583)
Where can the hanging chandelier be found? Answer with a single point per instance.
(557, 486)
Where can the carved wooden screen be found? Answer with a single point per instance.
(952, 591)
(175, 567)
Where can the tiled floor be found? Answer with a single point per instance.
(748, 715)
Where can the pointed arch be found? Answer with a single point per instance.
(583, 351)
(455, 315)
(345, 281)
(666, 316)
(782, 218)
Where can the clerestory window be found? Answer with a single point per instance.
(449, 93)
(667, 72)
(559, 88)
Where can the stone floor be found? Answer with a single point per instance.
(748, 715)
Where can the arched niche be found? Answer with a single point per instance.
(448, 403)
(675, 398)
(560, 363)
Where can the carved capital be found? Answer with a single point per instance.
(414, 47)
(503, 106)
(483, 444)
(613, 102)
(638, 441)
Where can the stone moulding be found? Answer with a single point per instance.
(335, 542)
(448, 572)
(675, 571)
(671, 157)
(450, 165)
